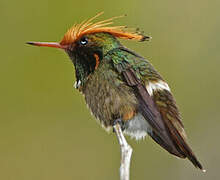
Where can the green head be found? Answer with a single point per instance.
(87, 53)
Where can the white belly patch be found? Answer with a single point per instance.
(137, 127)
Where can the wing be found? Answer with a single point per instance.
(156, 103)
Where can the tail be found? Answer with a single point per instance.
(179, 147)
(187, 151)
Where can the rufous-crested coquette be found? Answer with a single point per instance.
(120, 85)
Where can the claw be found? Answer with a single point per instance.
(120, 122)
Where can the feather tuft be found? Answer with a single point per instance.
(89, 27)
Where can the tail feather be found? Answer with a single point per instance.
(188, 152)
(169, 147)
(179, 147)
(181, 144)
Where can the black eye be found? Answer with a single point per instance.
(83, 41)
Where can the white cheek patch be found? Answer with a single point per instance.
(154, 86)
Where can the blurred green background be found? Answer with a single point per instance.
(46, 131)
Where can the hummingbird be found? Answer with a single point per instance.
(121, 86)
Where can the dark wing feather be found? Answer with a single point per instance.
(171, 117)
(169, 133)
(161, 114)
(149, 110)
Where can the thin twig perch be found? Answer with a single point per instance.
(126, 152)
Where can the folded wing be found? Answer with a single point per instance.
(159, 108)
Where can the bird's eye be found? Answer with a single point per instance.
(83, 41)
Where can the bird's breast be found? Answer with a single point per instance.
(108, 96)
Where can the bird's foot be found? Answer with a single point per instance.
(120, 122)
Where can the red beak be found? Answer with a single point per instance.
(48, 44)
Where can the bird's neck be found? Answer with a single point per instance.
(83, 70)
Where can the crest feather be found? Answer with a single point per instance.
(88, 27)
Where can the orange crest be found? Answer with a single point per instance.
(88, 27)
